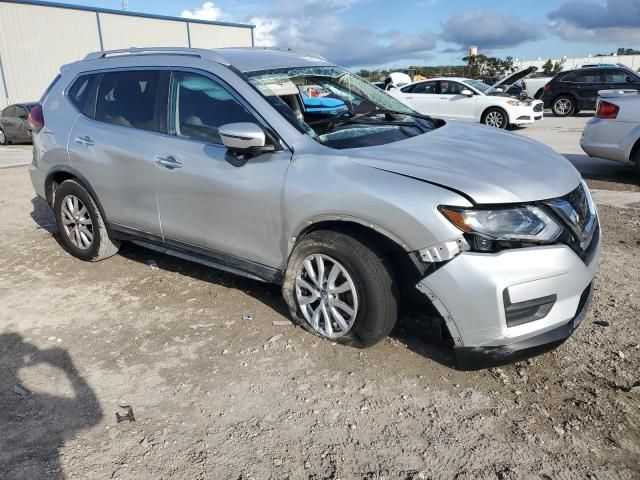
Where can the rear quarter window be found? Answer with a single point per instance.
(82, 93)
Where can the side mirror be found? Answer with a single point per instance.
(244, 137)
(467, 92)
(630, 79)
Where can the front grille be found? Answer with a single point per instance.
(538, 108)
(577, 213)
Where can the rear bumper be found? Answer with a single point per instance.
(37, 180)
(609, 139)
(477, 358)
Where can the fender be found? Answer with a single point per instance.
(83, 181)
(631, 143)
(337, 217)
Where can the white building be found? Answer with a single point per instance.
(631, 61)
(37, 37)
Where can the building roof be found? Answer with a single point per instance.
(124, 12)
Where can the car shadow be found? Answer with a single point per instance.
(419, 331)
(592, 168)
(36, 425)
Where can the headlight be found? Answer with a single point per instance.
(527, 224)
(514, 103)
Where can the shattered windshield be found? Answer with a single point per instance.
(337, 108)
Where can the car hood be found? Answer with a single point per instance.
(509, 80)
(487, 165)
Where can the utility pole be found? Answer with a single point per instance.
(125, 5)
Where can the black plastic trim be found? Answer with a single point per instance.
(202, 255)
(478, 358)
(528, 311)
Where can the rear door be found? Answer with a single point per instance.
(122, 116)
(9, 122)
(422, 97)
(204, 199)
(452, 104)
(588, 82)
(21, 127)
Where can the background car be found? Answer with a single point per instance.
(13, 123)
(574, 90)
(470, 100)
(614, 132)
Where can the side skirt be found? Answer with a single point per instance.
(203, 256)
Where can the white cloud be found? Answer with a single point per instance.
(315, 25)
(208, 11)
(264, 33)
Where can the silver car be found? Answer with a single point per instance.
(350, 200)
(614, 132)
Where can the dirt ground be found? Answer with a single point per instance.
(215, 396)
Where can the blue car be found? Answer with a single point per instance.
(323, 106)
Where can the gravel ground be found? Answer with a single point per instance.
(202, 393)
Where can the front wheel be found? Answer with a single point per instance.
(563, 106)
(340, 289)
(495, 117)
(3, 138)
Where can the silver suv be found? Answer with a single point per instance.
(285, 168)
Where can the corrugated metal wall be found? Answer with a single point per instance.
(35, 40)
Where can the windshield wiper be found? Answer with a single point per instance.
(365, 118)
(379, 111)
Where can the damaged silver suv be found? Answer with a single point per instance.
(285, 168)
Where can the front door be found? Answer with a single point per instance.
(452, 104)
(204, 199)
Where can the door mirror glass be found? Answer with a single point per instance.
(467, 92)
(243, 137)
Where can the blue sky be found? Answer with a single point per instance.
(367, 33)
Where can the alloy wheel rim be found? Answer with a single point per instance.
(76, 222)
(563, 106)
(3, 138)
(495, 119)
(326, 295)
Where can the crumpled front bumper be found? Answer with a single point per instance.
(470, 290)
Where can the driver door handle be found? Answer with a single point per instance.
(169, 162)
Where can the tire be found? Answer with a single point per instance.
(563, 106)
(495, 117)
(373, 295)
(90, 242)
(636, 160)
(3, 138)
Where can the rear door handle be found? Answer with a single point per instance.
(85, 140)
(169, 162)
(409, 98)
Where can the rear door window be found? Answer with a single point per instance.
(9, 111)
(424, 87)
(131, 99)
(589, 75)
(200, 105)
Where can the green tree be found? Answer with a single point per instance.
(547, 68)
(558, 66)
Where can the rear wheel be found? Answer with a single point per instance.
(340, 289)
(636, 159)
(563, 106)
(81, 226)
(3, 138)
(496, 117)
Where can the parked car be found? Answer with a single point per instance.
(614, 132)
(534, 86)
(471, 100)
(207, 155)
(13, 123)
(574, 90)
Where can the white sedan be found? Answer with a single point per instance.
(469, 100)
